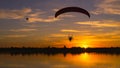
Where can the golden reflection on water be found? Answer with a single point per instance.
(94, 60)
(84, 57)
(83, 60)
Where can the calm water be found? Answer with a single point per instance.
(84, 60)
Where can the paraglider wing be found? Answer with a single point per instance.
(72, 9)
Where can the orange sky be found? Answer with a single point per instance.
(42, 29)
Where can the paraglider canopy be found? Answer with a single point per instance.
(72, 9)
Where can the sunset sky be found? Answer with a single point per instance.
(42, 29)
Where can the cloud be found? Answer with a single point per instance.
(69, 30)
(57, 35)
(55, 10)
(40, 16)
(103, 23)
(23, 30)
(34, 15)
(108, 7)
(14, 14)
(16, 36)
(37, 19)
(66, 16)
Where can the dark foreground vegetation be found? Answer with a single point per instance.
(53, 50)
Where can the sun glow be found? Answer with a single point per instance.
(84, 44)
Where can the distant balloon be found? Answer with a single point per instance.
(27, 19)
(70, 38)
(72, 9)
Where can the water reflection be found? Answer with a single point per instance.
(83, 60)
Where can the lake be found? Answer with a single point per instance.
(83, 60)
